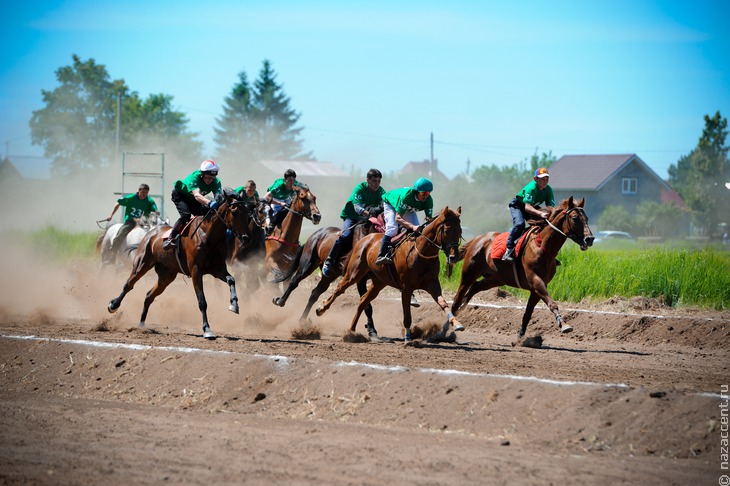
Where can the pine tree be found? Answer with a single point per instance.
(233, 136)
(258, 124)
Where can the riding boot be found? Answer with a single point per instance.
(171, 240)
(384, 255)
(509, 255)
(279, 217)
(332, 257)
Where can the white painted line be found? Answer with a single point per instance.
(486, 375)
(284, 360)
(144, 347)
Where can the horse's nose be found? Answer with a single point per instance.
(245, 239)
(589, 240)
(316, 217)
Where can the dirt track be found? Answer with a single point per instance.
(628, 397)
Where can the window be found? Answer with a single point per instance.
(628, 185)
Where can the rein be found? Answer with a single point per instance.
(282, 241)
(432, 242)
(538, 238)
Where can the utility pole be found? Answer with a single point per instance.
(119, 126)
(432, 149)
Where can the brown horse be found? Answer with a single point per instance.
(534, 266)
(244, 258)
(312, 256)
(283, 244)
(415, 266)
(201, 250)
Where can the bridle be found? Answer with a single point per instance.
(440, 236)
(240, 237)
(567, 212)
(299, 213)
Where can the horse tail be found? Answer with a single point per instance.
(128, 250)
(99, 241)
(280, 276)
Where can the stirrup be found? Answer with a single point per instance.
(383, 259)
(508, 255)
(169, 243)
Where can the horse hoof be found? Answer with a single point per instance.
(141, 325)
(277, 301)
(233, 308)
(459, 327)
(319, 312)
(111, 309)
(566, 329)
(208, 335)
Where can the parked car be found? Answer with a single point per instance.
(612, 236)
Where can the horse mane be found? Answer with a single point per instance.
(303, 186)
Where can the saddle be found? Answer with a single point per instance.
(499, 245)
(167, 232)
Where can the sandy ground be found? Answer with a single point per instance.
(632, 396)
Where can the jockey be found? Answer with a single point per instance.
(366, 200)
(188, 195)
(525, 203)
(400, 208)
(279, 195)
(135, 206)
(248, 192)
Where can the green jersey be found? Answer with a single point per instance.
(279, 191)
(242, 191)
(530, 194)
(362, 198)
(404, 199)
(195, 181)
(134, 207)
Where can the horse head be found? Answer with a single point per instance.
(236, 215)
(445, 231)
(305, 204)
(570, 217)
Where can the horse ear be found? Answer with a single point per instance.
(581, 203)
(458, 210)
(570, 202)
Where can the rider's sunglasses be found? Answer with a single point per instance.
(424, 194)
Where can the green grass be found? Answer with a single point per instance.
(57, 245)
(677, 277)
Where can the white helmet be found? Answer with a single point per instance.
(210, 167)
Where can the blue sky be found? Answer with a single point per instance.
(372, 80)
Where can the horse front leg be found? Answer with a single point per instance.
(435, 291)
(365, 300)
(197, 279)
(370, 325)
(347, 280)
(405, 298)
(321, 287)
(540, 288)
(233, 306)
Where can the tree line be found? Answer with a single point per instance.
(78, 130)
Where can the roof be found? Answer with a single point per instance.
(8, 170)
(591, 172)
(425, 168)
(305, 168)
